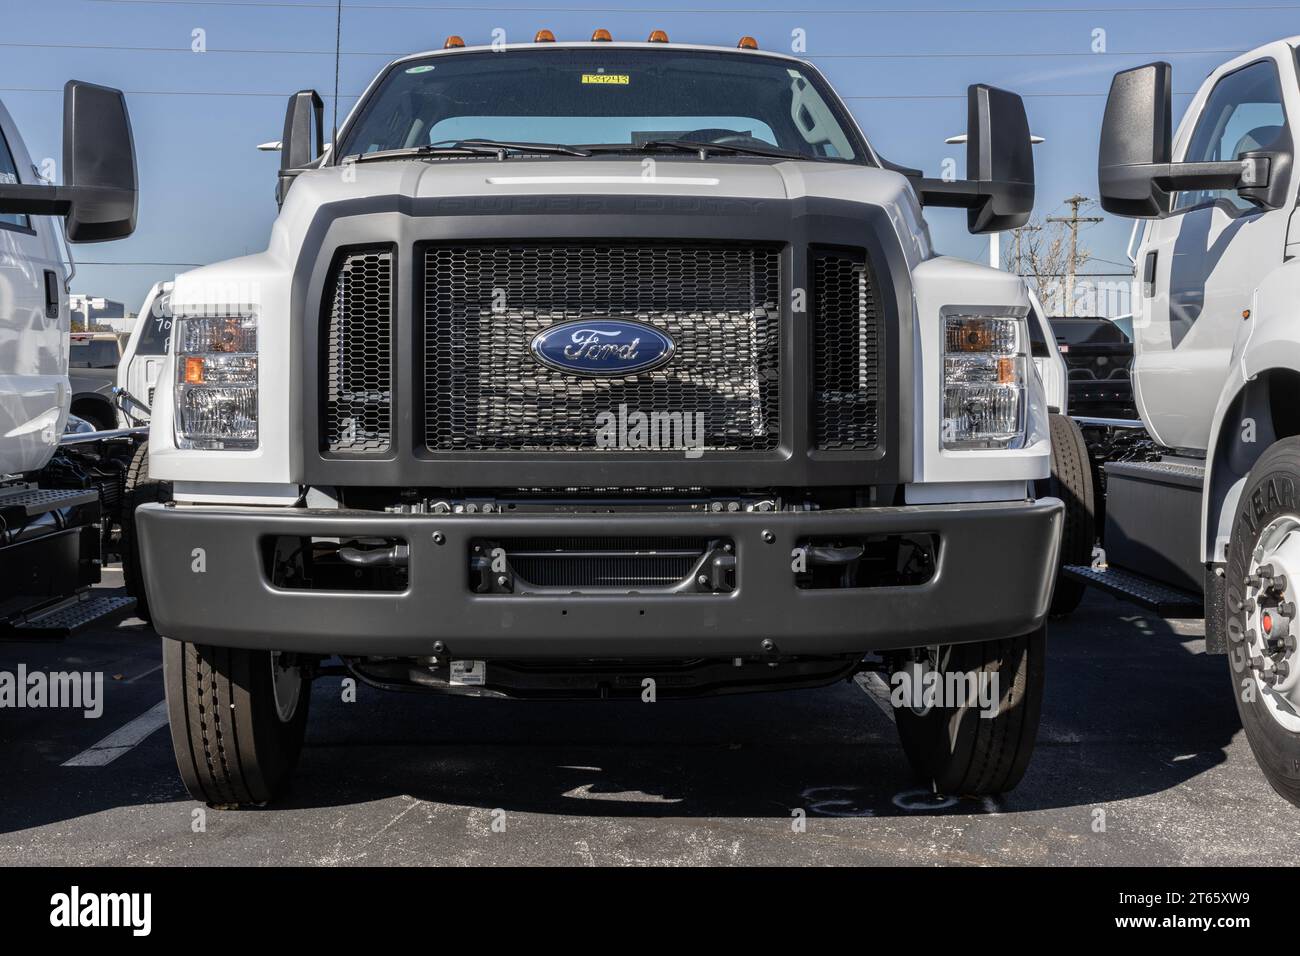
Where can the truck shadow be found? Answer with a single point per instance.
(1133, 708)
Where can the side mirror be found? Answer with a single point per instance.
(100, 196)
(999, 195)
(1136, 175)
(304, 137)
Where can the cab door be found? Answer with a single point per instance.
(33, 333)
(1200, 266)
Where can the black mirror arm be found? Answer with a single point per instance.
(43, 200)
(963, 193)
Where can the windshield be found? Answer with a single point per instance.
(586, 96)
(156, 330)
(93, 353)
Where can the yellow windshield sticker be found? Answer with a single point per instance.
(610, 79)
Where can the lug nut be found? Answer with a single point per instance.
(1257, 663)
(1286, 609)
(1278, 583)
(1281, 672)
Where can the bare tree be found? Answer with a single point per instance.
(1040, 251)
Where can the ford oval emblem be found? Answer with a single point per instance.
(609, 348)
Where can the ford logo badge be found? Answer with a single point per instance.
(609, 348)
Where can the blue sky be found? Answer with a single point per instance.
(903, 65)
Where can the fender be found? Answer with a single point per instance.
(1257, 405)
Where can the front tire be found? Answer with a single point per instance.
(237, 721)
(1262, 577)
(140, 489)
(958, 749)
(1071, 481)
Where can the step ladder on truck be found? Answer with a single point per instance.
(1212, 527)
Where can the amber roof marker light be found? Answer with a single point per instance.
(452, 41)
(602, 36)
(658, 36)
(544, 36)
(747, 43)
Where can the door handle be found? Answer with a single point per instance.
(1149, 275)
(51, 294)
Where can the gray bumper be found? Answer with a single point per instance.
(995, 568)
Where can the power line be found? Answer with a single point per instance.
(942, 55)
(714, 11)
(353, 96)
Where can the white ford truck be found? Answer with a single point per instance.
(609, 370)
(1216, 375)
(60, 493)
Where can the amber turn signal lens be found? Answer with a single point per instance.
(658, 36)
(193, 370)
(748, 43)
(544, 36)
(452, 41)
(602, 36)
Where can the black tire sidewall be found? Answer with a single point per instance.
(1272, 490)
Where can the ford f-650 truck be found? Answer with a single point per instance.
(1216, 374)
(611, 370)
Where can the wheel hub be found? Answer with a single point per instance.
(1271, 624)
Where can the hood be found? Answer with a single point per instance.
(649, 176)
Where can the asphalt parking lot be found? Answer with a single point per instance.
(1140, 760)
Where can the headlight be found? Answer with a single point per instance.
(216, 381)
(984, 361)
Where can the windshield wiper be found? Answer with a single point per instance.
(382, 154)
(558, 149)
(692, 146)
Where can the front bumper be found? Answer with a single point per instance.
(207, 584)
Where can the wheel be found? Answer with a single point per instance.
(237, 721)
(1262, 586)
(1071, 481)
(960, 747)
(140, 488)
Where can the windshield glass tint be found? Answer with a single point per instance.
(584, 96)
(155, 336)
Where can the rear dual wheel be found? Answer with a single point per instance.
(237, 721)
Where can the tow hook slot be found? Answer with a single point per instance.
(645, 565)
(865, 561)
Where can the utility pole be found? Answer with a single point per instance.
(1074, 202)
(1020, 268)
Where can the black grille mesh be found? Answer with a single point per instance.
(358, 354)
(484, 303)
(846, 347)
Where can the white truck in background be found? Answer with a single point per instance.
(60, 494)
(1215, 523)
(142, 359)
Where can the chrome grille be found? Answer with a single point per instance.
(358, 357)
(484, 303)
